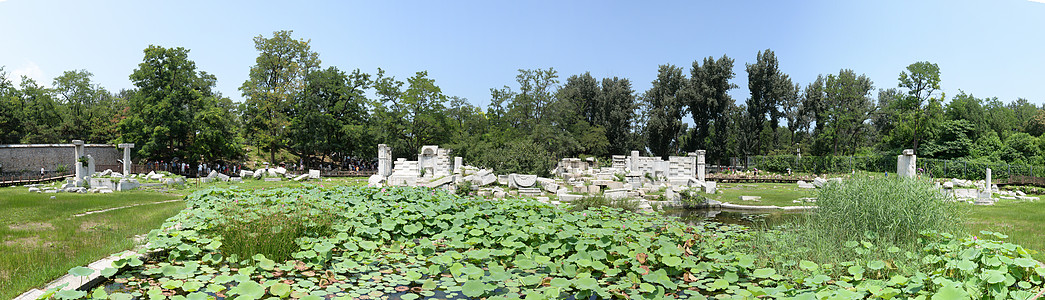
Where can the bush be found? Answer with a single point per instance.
(601, 201)
(887, 212)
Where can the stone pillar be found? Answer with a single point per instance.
(701, 165)
(126, 158)
(90, 166)
(384, 160)
(906, 164)
(77, 166)
(633, 164)
(987, 183)
(458, 164)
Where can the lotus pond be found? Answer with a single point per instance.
(409, 243)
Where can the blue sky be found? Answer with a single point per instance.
(988, 48)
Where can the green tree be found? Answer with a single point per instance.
(39, 113)
(709, 85)
(664, 105)
(276, 78)
(175, 114)
(10, 111)
(83, 102)
(614, 111)
(330, 116)
(840, 105)
(918, 118)
(769, 87)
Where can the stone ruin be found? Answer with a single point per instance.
(646, 179)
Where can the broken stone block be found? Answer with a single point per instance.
(301, 177)
(594, 189)
(750, 198)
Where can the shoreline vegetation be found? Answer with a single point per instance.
(871, 237)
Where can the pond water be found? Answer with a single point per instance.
(751, 218)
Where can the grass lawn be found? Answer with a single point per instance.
(41, 239)
(779, 194)
(1022, 221)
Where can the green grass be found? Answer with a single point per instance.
(779, 194)
(1022, 221)
(40, 239)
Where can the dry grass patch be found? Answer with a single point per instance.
(31, 226)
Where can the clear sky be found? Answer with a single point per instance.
(990, 48)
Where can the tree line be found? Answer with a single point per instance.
(295, 109)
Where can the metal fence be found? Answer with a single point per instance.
(931, 167)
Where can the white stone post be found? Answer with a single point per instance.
(987, 183)
(633, 164)
(90, 166)
(77, 166)
(906, 164)
(458, 164)
(384, 160)
(126, 158)
(701, 165)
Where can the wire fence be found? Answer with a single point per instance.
(939, 168)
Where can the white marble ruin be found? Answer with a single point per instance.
(126, 157)
(629, 177)
(906, 164)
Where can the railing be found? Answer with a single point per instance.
(12, 179)
(938, 168)
(1023, 180)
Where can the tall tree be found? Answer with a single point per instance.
(664, 105)
(921, 79)
(10, 111)
(709, 85)
(80, 98)
(768, 88)
(39, 113)
(615, 110)
(330, 116)
(842, 106)
(175, 114)
(276, 78)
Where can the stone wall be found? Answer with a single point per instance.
(31, 157)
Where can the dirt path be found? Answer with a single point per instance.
(122, 207)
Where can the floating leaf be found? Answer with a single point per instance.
(81, 271)
(763, 272)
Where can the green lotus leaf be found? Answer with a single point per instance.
(192, 286)
(81, 271)
(109, 272)
(993, 276)
(808, 265)
(950, 292)
(172, 284)
(763, 272)
(474, 288)
(197, 296)
(70, 294)
(1024, 262)
(966, 265)
(876, 264)
(280, 289)
(99, 293)
(248, 289)
(409, 297)
(587, 283)
(121, 296)
(672, 261)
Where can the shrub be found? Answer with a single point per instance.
(601, 201)
(889, 212)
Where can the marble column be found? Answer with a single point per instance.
(78, 167)
(126, 158)
(906, 164)
(701, 165)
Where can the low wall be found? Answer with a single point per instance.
(32, 157)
